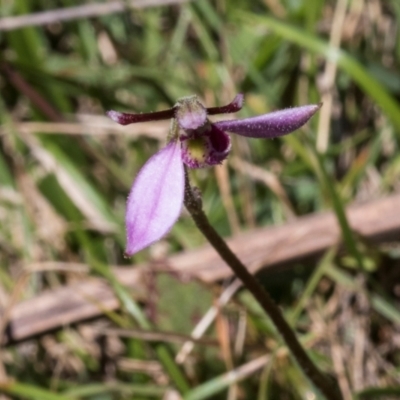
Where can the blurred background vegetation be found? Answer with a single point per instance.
(65, 171)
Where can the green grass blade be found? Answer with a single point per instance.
(31, 392)
(339, 208)
(359, 74)
(117, 388)
(68, 170)
(379, 393)
(379, 303)
(162, 350)
(312, 284)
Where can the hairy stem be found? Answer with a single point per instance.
(324, 383)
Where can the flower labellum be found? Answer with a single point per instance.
(156, 197)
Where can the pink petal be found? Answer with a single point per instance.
(156, 198)
(270, 125)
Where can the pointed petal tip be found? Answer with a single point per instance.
(116, 116)
(316, 106)
(309, 109)
(238, 101)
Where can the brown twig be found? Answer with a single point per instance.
(193, 204)
(268, 247)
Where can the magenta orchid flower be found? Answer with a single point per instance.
(156, 197)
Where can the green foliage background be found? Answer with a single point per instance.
(65, 171)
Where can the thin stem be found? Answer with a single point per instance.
(325, 384)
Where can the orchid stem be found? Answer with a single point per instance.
(325, 384)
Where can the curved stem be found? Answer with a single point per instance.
(324, 383)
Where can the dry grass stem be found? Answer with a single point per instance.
(79, 12)
(328, 78)
(222, 175)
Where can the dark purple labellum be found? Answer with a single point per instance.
(207, 149)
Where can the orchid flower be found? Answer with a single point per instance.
(156, 197)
